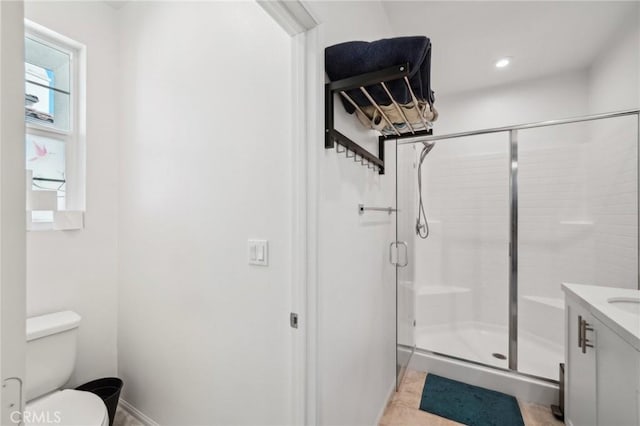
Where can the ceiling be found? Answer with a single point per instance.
(542, 38)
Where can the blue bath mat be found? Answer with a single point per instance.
(468, 404)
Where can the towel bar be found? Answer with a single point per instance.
(362, 208)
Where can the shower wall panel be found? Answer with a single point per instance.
(462, 267)
(613, 179)
(578, 218)
(555, 241)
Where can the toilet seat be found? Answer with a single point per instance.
(67, 407)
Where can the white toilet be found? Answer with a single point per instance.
(51, 357)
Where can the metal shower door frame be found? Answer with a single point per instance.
(513, 208)
(400, 367)
(513, 250)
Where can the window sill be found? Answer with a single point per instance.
(64, 220)
(34, 125)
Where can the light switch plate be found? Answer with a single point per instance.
(259, 252)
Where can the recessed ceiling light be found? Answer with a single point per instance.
(503, 62)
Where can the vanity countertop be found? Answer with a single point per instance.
(595, 300)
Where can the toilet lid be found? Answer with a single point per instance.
(66, 408)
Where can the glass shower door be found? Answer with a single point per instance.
(403, 251)
(458, 277)
(578, 223)
(512, 214)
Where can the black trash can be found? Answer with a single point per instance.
(108, 389)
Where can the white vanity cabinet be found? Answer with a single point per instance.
(618, 380)
(580, 367)
(602, 374)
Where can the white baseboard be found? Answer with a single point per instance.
(139, 415)
(392, 391)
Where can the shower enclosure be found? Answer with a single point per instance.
(513, 213)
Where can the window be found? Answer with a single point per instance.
(53, 115)
(47, 84)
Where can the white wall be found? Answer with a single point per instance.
(356, 284)
(205, 164)
(614, 84)
(12, 199)
(77, 269)
(547, 98)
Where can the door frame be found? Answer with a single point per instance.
(302, 26)
(12, 212)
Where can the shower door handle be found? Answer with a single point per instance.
(406, 254)
(391, 253)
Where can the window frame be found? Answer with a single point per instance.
(74, 138)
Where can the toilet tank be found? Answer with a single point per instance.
(51, 352)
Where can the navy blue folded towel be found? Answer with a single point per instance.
(359, 57)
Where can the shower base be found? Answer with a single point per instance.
(524, 388)
(487, 344)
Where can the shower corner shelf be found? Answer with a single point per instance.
(333, 136)
(577, 222)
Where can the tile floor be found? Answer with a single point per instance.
(125, 419)
(403, 409)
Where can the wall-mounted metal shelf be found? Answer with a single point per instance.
(361, 82)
